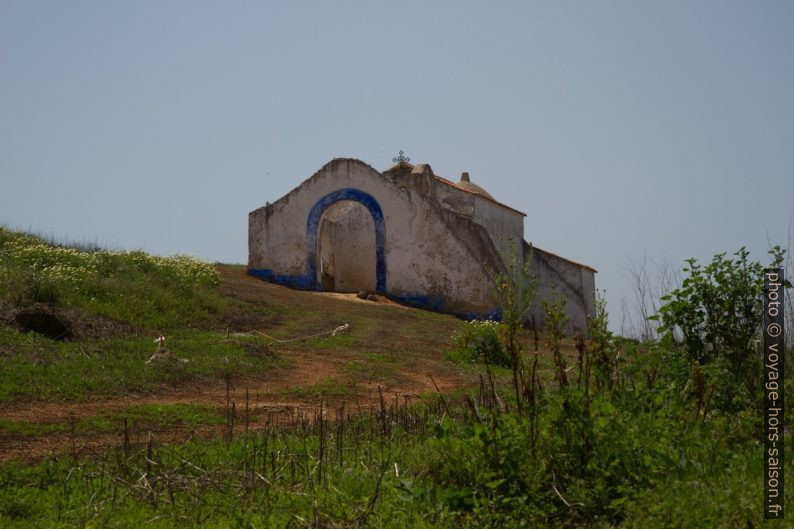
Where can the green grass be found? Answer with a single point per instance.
(43, 369)
(373, 366)
(112, 421)
(329, 387)
(168, 414)
(431, 465)
(381, 358)
(119, 303)
(343, 340)
(634, 453)
(158, 294)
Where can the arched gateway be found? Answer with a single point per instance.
(406, 232)
(313, 226)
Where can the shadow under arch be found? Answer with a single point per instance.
(312, 227)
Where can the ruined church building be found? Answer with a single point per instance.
(405, 232)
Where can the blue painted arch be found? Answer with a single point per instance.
(313, 225)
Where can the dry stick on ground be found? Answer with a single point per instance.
(332, 332)
(571, 506)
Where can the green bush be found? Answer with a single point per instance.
(714, 319)
(556, 320)
(479, 341)
(717, 310)
(487, 472)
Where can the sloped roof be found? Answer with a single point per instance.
(468, 187)
(474, 188)
(582, 265)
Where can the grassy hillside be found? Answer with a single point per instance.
(261, 416)
(119, 303)
(230, 340)
(130, 290)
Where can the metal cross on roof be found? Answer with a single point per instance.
(401, 158)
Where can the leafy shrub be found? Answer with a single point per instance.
(715, 318)
(556, 319)
(479, 341)
(514, 289)
(487, 471)
(603, 356)
(718, 308)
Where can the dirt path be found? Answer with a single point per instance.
(307, 369)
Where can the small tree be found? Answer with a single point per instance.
(514, 289)
(718, 308)
(480, 341)
(603, 343)
(715, 316)
(556, 319)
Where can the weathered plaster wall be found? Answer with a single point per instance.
(433, 257)
(502, 224)
(434, 245)
(575, 282)
(454, 199)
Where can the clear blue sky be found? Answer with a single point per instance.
(621, 128)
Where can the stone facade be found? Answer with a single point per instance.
(408, 233)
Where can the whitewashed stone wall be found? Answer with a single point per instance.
(411, 235)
